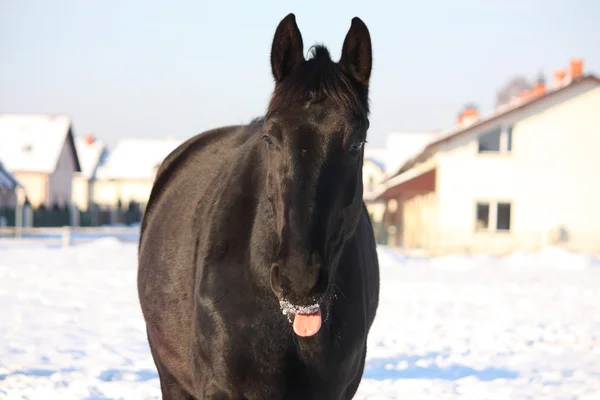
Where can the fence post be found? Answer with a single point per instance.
(19, 211)
(74, 216)
(66, 236)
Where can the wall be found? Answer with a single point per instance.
(36, 186)
(559, 185)
(419, 224)
(81, 191)
(548, 177)
(61, 180)
(107, 193)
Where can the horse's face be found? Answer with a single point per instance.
(314, 135)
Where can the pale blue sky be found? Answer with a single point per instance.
(175, 68)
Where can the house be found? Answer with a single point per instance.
(521, 178)
(40, 152)
(92, 153)
(129, 171)
(8, 188)
(373, 173)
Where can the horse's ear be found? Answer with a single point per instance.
(357, 57)
(287, 48)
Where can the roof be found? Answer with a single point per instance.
(136, 159)
(90, 155)
(33, 142)
(7, 180)
(500, 112)
(402, 146)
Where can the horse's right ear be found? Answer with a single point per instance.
(287, 49)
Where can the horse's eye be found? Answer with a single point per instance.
(357, 145)
(267, 139)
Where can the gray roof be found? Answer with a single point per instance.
(7, 180)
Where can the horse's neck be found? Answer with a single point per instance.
(249, 208)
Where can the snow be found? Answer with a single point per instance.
(526, 326)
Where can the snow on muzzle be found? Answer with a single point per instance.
(306, 319)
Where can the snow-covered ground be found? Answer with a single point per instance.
(525, 326)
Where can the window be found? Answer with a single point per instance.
(497, 140)
(482, 216)
(503, 217)
(485, 212)
(490, 141)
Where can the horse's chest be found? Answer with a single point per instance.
(264, 363)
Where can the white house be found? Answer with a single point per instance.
(129, 171)
(524, 177)
(92, 153)
(40, 152)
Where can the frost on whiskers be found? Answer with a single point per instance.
(288, 309)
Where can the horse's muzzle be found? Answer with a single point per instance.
(301, 289)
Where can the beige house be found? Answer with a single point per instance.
(40, 152)
(129, 171)
(92, 153)
(521, 178)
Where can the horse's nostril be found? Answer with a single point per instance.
(276, 281)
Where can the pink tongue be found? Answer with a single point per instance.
(307, 324)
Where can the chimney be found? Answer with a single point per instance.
(89, 138)
(575, 67)
(558, 78)
(468, 114)
(539, 89)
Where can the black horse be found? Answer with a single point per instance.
(258, 274)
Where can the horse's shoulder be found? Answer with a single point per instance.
(194, 145)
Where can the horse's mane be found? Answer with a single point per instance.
(317, 79)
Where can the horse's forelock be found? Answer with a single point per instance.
(316, 80)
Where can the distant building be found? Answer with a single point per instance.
(521, 178)
(373, 173)
(92, 153)
(129, 171)
(380, 162)
(39, 150)
(8, 188)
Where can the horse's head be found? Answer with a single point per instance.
(314, 132)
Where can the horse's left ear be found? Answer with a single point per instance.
(357, 57)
